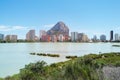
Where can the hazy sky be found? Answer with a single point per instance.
(87, 16)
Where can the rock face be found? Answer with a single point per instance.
(109, 73)
(59, 28)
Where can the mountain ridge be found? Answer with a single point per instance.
(59, 28)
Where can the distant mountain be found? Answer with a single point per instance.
(59, 28)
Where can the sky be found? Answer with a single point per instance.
(92, 17)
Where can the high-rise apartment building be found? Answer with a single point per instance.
(54, 38)
(61, 38)
(116, 37)
(80, 36)
(1, 37)
(74, 36)
(85, 38)
(30, 36)
(11, 38)
(111, 35)
(103, 38)
(42, 34)
(14, 38)
(7, 38)
(94, 38)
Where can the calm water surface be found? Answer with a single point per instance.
(14, 56)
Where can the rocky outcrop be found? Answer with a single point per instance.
(59, 28)
(109, 73)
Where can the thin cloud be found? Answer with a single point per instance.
(19, 27)
(12, 28)
(49, 25)
(4, 28)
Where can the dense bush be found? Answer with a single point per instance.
(87, 67)
(33, 71)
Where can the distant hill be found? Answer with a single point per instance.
(59, 28)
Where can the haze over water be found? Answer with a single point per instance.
(14, 56)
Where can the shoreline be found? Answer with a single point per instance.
(60, 42)
(100, 57)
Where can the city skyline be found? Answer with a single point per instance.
(32, 36)
(45, 37)
(92, 17)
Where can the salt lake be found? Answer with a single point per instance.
(14, 56)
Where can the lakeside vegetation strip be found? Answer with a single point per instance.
(71, 57)
(116, 45)
(88, 67)
(45, 54)
(52, 55)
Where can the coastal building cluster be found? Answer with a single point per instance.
(79, 37)
(59, 33)
(8, 38)
(45, 37)
(113, 37)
